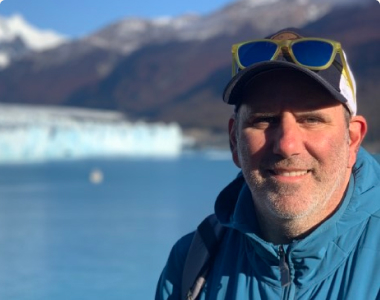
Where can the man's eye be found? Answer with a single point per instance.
(312, 120)
(263, 122)
(269, 120)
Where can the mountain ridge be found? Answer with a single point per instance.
(171, 74)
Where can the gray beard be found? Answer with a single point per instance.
(271, 192)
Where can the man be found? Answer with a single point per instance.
(303, 222)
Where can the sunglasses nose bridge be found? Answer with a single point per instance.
(283, 52)
(285, 46)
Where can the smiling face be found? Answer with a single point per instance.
(294, 145)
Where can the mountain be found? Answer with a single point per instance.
(18, 38)
(131, 34)
(79, 67)
(175, 69)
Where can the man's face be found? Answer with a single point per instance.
(292, 142)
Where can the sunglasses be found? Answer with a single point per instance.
(312, 53)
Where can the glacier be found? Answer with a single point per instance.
(38, 134)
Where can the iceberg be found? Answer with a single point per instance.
(35, 134)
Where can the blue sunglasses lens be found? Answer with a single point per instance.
(312, 53)
(255, 52)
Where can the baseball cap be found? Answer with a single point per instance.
(331, 78)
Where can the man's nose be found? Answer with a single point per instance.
(287, 138)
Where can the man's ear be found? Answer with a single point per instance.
(233, 141)
(357, 132)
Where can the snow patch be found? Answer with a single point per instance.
(314, 12)
(162, 21)
(257, 3)
(38, 40)
(4, 60)
(132, 26)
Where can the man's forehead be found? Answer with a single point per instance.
(286, 35)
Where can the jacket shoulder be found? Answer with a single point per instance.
(177, 256)
(169, 284)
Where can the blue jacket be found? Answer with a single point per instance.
(339, 260)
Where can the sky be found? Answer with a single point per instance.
(75, 18)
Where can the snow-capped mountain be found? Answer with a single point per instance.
(175, 69)
(264, 16)
(18, 37)
(130, 34)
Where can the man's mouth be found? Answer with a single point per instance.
(288, 173)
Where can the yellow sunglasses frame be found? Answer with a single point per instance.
(285, 46)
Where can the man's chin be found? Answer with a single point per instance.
(277, 189)
(288, 204)
(289, 212)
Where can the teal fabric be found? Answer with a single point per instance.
(339, 260)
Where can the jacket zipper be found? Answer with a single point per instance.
(284, 268)
(286, 281)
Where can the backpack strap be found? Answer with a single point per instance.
(202, 251)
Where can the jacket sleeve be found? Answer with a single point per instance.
(169, 284)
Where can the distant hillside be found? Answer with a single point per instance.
(176, 69)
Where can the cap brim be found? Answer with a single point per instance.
(233, 92)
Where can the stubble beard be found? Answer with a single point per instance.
(275, 197)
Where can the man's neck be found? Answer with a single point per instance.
(285, 231)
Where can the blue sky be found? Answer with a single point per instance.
(75, 18)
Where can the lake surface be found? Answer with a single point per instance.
(63, 237)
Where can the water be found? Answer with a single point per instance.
(63, 237)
